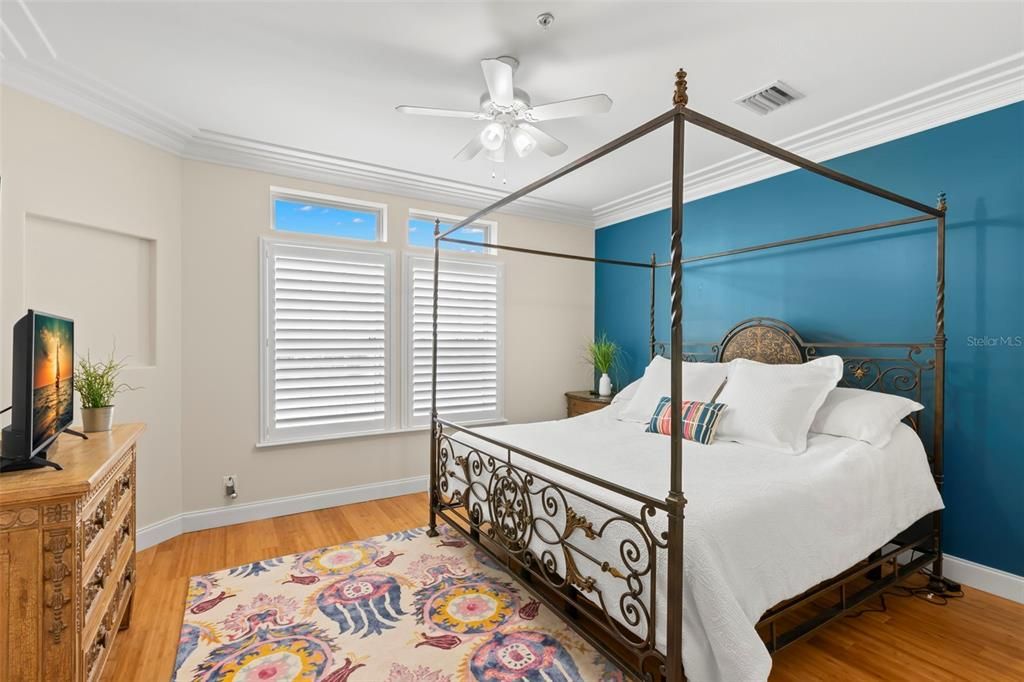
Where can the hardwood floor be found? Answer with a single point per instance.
(980, 637)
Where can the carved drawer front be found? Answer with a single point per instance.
(97, 650)
(94, 522)
(95, 584)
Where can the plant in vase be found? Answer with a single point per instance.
(97, 385)
(602, 353)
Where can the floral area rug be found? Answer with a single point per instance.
(402, 607)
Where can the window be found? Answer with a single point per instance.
(469, 367)
(421, 232)
(325, 342)
(320, 214)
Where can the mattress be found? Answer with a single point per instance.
(760, 526)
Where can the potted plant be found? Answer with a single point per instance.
(602, 353)
(97, 384)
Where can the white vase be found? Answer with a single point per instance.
(604, 386)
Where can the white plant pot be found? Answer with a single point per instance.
(604, 386)
(97, 418)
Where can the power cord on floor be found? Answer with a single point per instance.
(923, 592)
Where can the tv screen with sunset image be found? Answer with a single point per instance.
(53, 340)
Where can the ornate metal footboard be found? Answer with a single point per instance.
(594, 560)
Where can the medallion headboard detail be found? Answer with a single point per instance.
(897, 368)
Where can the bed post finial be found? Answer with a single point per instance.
(437, 227)
(941, 205)
(680, 96)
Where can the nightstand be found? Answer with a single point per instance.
(581, 402)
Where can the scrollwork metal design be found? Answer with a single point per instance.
(610, 558)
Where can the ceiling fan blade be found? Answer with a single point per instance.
(549, 145)
(581, 106)
(471, 149)
(432, 111)
(498, 75)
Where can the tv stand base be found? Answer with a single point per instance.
(36, 462)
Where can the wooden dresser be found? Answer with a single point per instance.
(67, 558)
(581, 402)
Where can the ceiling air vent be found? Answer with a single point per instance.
(769, 98)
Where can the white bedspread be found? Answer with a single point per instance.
(760, 526)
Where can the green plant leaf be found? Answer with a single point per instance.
(602, 353)
(97, 382)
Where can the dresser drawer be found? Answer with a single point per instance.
(105, 597)
(105, 510)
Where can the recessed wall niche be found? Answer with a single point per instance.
(104, 280)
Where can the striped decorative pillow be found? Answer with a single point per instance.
(699, 419)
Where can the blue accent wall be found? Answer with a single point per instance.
(873, 287)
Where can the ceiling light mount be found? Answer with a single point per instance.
(545, 19)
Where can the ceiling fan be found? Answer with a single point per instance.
(512, 117)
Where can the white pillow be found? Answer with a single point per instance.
(626, 394)
(700, 381)
(869, 416)
(772, 406)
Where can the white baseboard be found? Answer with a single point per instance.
(984, 578)
(216, 517)
(158, 532)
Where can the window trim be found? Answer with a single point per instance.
(422, 214)
(265, 429)
(406, 393)
(331, 201)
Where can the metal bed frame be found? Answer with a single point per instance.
(507, 501)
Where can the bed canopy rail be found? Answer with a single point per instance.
(502, 538)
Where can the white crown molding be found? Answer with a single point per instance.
(102, 103)
(973, 92)
(70, 89)
(231, 150)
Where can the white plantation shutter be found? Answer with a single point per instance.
(325, 345)
(469, 340)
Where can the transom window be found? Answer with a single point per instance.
(421, 232)
(311, 213)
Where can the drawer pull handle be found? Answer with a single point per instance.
(98, 645)
(126, 532)
(94, 524)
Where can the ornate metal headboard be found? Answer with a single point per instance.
(897, 368)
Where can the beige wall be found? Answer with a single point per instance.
(160, 254)
(548, 317)
(91, 230)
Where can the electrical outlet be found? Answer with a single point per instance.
(231, 486)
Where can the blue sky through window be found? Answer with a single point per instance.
(421, 233)
(295, 215)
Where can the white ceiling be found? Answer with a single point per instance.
(326, 77)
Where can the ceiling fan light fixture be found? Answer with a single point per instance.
(492, 137)
(522, 142)
(496, 155)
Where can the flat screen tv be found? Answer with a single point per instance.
(42, 403)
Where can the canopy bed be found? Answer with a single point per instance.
(579, 511)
